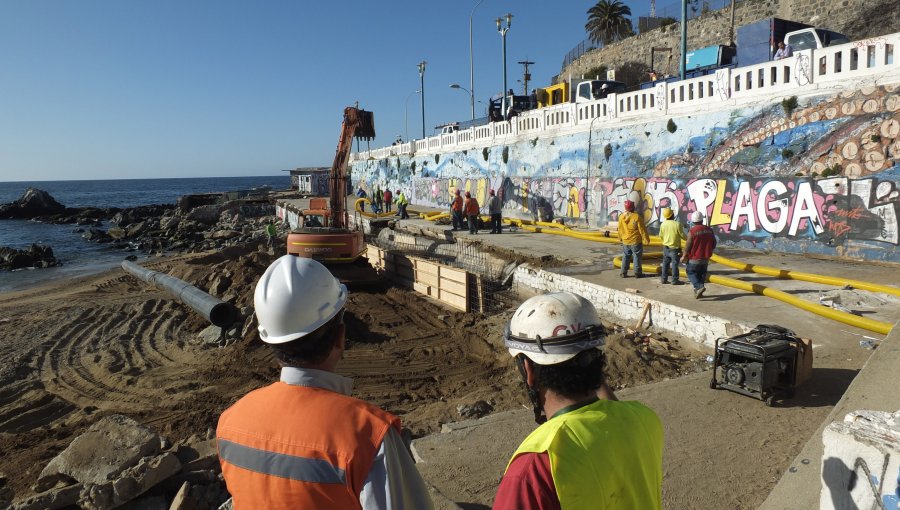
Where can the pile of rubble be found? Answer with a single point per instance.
(148, 228)
(118, 461)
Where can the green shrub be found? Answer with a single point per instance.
(607, 152)
(505, 155)
(789, 104)
(875, 138)
(671, 127)
(485, 153)
(787, 153)
(437, 157)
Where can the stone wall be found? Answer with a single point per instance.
(858, 19)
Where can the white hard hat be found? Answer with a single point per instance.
(696, 217)
(553, 328)
(294, 297)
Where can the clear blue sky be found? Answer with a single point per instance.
(103, 89)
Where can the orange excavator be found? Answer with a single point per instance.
(325, 234)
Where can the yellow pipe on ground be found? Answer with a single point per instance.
(359, 204)
(847, 318)
(808, 277)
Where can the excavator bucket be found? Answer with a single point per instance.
(366, 128)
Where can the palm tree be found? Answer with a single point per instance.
(608, 21)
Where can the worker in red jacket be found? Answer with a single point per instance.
(701, 241)
(388, 200)
(472, 210)
(456, 211)
(303, 442)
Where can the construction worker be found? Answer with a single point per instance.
(472, 211)
(303, 442)
(377, 199)
(701, 241)
(590, 451)
(495, 209)
(402, 202)
(388, 201)
(672, 236)
(633, 235)
(271, 234)
(456, 211)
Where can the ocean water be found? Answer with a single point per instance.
(81, 257)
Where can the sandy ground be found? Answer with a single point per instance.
(75, 350)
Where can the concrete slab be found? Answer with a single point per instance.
(875, 388)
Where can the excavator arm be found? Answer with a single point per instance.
(358, 123)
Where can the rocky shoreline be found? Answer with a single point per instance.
(150, 229)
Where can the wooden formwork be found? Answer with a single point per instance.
(444, 283)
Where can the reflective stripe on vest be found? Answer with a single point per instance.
(303, 469)
(286, 446)
(604, 455)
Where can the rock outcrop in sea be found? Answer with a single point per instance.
(36, 256)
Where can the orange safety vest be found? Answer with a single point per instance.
(287, 446)
(457, 204)
(471, 206)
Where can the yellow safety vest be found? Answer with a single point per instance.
(604, 455)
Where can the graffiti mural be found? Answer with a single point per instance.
(821, 176)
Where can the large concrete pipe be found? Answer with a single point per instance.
(216, 311)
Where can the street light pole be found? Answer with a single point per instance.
(683, 67)
(406, 115)
(421, 67)
(472, 62)
(503, 30)
(459, 87)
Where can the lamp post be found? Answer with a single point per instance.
(503, 30)
(421, 66)
(406, 115)
(458, 87)
(472, 62)
(683, 66)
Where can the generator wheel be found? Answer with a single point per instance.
(770, 400)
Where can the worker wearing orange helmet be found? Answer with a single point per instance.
(303, 442)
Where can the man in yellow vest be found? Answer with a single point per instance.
(590, 451)
(303, 442)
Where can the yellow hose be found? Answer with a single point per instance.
(360, 202)
(808, 277)
(847, 318)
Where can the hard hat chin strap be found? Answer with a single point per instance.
(539, 416)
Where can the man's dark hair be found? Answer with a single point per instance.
(310, 349)
(575, 377)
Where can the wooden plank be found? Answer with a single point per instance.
(428, 279)
(453, 300)
(456, 275)
(453, 287)
(426, 267)
(422, 288)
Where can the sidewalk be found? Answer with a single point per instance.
(722, 450)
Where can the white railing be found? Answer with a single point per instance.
(861, 63)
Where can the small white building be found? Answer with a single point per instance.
(311, 181)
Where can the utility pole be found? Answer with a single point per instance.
(683, 67)
(526, 75)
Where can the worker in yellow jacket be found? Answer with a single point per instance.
(633, 235)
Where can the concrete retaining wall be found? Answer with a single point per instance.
(702, 328)
(861, 464)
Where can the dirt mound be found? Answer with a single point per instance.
(78, 350)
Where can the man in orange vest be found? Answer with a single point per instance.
(456, 208)
(303, 442)
(472, 210)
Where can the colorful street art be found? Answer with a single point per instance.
(818, 178)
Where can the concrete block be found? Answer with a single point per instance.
(861, 462)
(107, 448)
